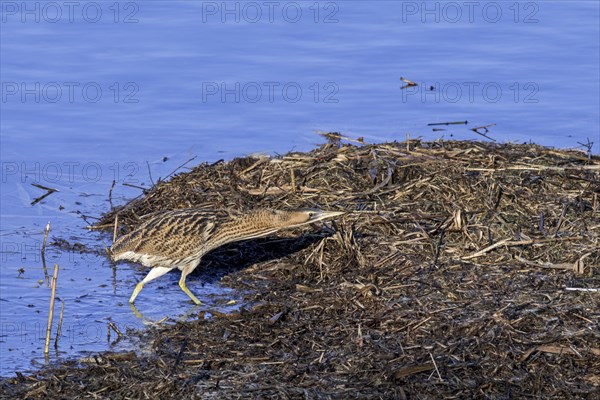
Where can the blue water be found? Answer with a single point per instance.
(99, 91)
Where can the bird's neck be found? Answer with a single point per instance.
(234, 231)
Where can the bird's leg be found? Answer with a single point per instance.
(136, 291)
(153, 274)
(182, 285)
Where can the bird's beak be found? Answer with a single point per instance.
(321, 215)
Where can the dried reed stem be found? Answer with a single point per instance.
(60, 321)
(43, 254)
(51, 311)
(45, 237)
(115, 228)
(293, 179)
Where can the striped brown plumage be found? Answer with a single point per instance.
(179, 238)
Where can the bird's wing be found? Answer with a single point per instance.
(173, 235)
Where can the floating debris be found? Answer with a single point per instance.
(449, 123)
(408, 82)
(483, 131)
(48, 190)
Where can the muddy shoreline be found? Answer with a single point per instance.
(462, 269)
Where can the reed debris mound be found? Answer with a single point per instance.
(461, 270)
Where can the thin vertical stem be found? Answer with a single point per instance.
(60, 321)
(51, 312)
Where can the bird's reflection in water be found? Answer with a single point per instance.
(192, 312)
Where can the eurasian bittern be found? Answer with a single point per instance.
(179, 239)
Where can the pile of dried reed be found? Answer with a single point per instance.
(462, 269)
